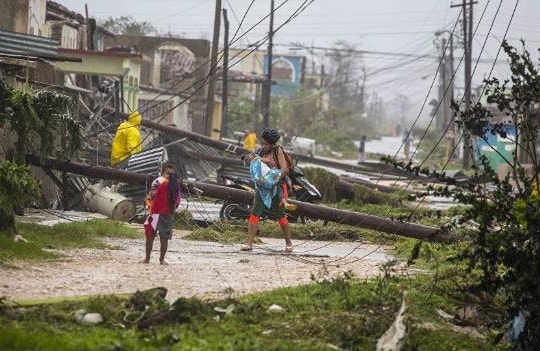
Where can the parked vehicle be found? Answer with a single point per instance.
(303, 146)
(302, 190)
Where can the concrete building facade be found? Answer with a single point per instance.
(173, 69)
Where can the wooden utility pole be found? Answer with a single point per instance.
(212, 72)
(467, 9)
(450, 97)
(441, 122)
(267, 87)
(447, 91)
(225, 72)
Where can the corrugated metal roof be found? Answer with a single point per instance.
(233, 171)
(193, 167)
(26, 44)
(187, 166)
(148, 161)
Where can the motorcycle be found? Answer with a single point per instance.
(302, 189)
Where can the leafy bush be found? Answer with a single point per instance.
(17, 188)
(504, 245)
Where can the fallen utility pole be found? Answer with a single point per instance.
(380, 168)
(412, 230)
(238, 150)
(341, 185)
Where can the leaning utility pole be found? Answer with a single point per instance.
(212, 72)
(467, 35)
(225, 72)
(267, 87)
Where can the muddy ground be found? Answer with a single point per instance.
(203, 269)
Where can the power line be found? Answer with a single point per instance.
(410, 182)
(490, 73)
(395, 156)
(204, 64)
(240, 23)
(371, 52)
(296, 13)
(243, 17)
(493, 67)
(201, 81)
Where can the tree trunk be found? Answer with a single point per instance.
(7, 224)
(20, 149)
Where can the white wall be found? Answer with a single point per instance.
(37, 10)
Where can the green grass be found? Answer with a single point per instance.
(235, 232)
(344, 312)
(41, 239)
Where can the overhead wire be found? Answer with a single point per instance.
(220, 53)
(451, 122)
(410, 182)
(300, 9)
(398, 62)
(479, 97)
(243, 17)
(297, 12)
(467, 83)
(240, 25)
(489, 76)
(427, 95)
(194, 84)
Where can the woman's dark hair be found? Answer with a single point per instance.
(270, 135)
(172, 189)
(167, 165)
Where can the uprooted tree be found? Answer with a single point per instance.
(504, 249)
(41, 124)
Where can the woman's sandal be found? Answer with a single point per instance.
(245, 247)
(288, 248)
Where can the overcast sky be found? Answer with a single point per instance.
(393, 27)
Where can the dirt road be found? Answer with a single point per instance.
(203, 269)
